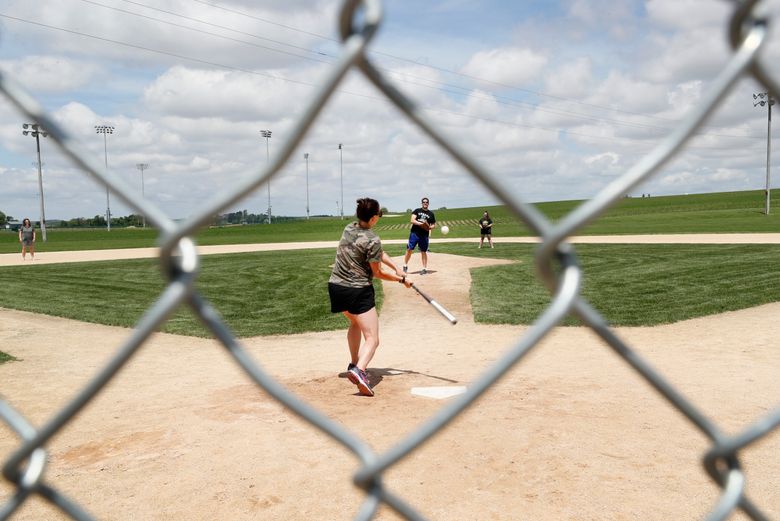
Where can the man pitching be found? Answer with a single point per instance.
(423, 221)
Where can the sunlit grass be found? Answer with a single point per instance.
(265, 293)
(285, 291)
(631, 284)
(727, 212)
(5, 358)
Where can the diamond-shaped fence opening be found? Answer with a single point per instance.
(556, 261)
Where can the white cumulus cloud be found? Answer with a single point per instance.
(512, 66)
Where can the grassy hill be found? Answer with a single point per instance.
(726, 212)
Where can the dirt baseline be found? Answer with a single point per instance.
(571, 432)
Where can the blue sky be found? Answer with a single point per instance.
(555, 98)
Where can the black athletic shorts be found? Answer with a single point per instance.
(354, 300)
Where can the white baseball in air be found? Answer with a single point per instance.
(445, 230)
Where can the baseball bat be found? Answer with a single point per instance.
(446, 314)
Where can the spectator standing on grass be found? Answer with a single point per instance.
(359, 258)
(423, 221)
(27, 238)
(486, 229)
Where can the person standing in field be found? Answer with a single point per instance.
(486, 229)
(27, 238)
(359, 258)
(423, 221)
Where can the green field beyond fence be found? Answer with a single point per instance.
(729, 212)
(260, 293)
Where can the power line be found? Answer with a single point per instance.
(434, 67)
(211, 24)
(309, 84)
(194, 29)
(403, 77)
(271, 22)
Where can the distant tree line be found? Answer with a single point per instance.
(84, 222)
(244, 217)
(99, 221)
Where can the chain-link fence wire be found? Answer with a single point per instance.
(555, 259)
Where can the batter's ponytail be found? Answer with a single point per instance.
(367, 208)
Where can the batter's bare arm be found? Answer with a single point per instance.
(390, 264)
(376, 269)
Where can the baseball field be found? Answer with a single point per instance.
(570, 432)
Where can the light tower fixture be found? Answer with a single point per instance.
(267, 135)
(105, 130)
(36, 131)
(142, 167)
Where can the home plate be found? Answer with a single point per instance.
(439, 393)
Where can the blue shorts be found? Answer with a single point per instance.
(414, 240)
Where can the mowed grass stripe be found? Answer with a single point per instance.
(631, 285)
(284, 292)
(725, 212)
(265, 293)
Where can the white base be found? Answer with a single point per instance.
(439, 393)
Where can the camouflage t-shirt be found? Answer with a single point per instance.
(357, 247)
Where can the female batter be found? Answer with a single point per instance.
(359, 259)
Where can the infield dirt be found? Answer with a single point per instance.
(571, 432)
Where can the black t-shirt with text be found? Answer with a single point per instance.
(486, 224)
(425, 216)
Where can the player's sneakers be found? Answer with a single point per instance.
(406, 269)
(359, 378)
(423, 271)
(350, 375)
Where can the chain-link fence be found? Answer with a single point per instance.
(555, 259)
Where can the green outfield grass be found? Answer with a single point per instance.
(729, 212)
(285, 292)
(263, 293)
(630, 284)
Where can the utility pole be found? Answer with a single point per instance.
(142, 167)
(341, 161)
(764, 98)
(306, 157)
(36, 131)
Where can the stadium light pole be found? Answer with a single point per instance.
(267, 135)
(764, 98)
(105, 130)
(306, 157)
(142, 167)
(341, 162)
(36, 131)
